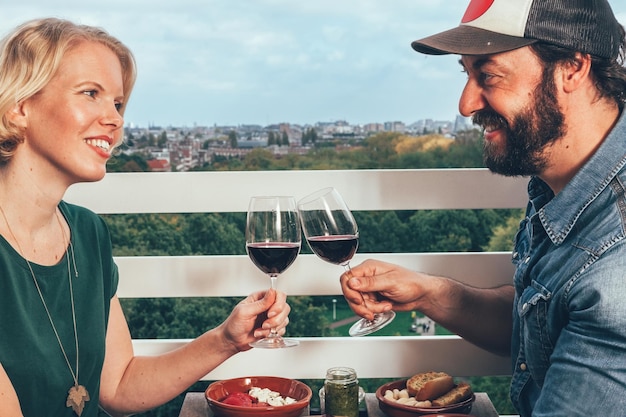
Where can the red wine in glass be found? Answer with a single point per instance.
(272, 257)
(332, 234)
(336, 249)
(273, 242)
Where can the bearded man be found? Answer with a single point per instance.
(546, 81)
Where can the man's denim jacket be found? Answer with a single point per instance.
(569, 315)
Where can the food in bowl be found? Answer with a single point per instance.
(257, 396)
(398, 398)
(429, 385)
(430, 389)
(240, 399)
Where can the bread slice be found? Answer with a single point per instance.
(457, 394)
(429, 385)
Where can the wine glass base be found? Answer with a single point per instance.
(364, 327)
(274, 343)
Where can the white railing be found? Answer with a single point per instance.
(373, 357)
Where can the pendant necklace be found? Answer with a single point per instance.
(77, 394)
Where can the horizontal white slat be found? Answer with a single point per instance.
(188, 192)
(236, 275)
(371, 357)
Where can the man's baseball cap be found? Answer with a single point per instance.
(493, 26)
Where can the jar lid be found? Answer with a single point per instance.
(340, 373)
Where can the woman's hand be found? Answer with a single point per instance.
(255, 316)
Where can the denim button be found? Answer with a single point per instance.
(522, 367)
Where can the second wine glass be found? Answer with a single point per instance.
(273, 242)
(332, 234)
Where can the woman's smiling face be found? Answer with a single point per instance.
(73, 123)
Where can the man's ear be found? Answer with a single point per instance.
(576, 72)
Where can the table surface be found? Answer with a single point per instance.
(195, 405)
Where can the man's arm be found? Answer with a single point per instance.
(482, 316)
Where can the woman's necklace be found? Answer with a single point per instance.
(77, 394)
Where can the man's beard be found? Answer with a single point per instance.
(528, 136)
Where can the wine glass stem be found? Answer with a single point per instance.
(273, 332)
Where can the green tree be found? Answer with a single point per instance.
(259, 160)
(212, 234)
(135, 162)
(194, 316)
(162, 142)
(309, 136)
(271, 139)
(381, 232)
(504, 234)
(154, 318)
(451, 230)
(147, 234)
(381, 146)
(307, 319)
(232, 139)
(467, 150)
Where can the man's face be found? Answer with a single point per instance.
(517, 108)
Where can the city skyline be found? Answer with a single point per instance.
(224, 62)
(319, 123)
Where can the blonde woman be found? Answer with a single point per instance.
(65, 348)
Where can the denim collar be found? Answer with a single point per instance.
(559, 215)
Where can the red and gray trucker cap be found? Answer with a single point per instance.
(493, 26)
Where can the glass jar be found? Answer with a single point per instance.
(341, 393)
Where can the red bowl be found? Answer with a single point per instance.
(393, 409)
(297, 390)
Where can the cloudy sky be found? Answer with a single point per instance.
(205, 62)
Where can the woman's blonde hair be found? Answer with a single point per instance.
(30, 57)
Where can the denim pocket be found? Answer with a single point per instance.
(532, 309)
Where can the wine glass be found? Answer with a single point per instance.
(333, 235)
(273, 242)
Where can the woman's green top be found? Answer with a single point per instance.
(29, 350)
